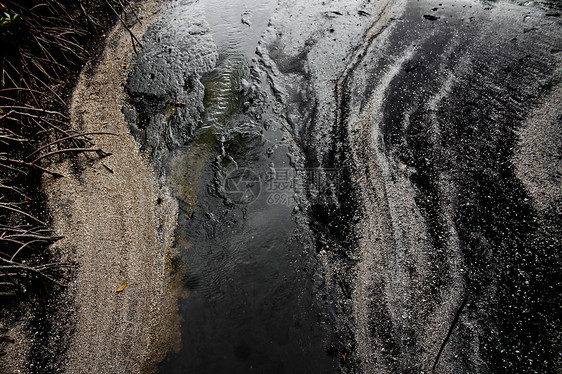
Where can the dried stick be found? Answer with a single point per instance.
(125, 26)
(72, 150)
(451, 328)
(67, 138)
(8, 207)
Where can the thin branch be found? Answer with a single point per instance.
(25, 246)
(32, 270)
(13, 169)
(71, 150)
(13, 241)
(132, 10)
(29, 164)
(451, 328)
(35, 109)
(8, 207)
(125, 26)
(15, 189)
(67, 138)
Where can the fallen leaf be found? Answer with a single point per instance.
(122, 287)
(541, 151)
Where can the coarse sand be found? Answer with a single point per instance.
(118, 222)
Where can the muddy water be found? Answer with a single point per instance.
(352, 166)
(248, 303)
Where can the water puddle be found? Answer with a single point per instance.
(249, 304)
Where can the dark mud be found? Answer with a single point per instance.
(446, 266)
(247, 268)
(419, 224)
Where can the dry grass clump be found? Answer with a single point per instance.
(43, 45)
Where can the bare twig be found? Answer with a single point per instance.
(49, 47)
(8, 207)
(44, 111)
(71, 150)
(133, 37)
(25, 245)
(107, 168)
(132, 10)
(451, 328)
(67, 138)
(16, 190)
(31, 165)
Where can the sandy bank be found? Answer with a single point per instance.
(117, 227)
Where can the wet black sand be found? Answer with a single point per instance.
(432, 250)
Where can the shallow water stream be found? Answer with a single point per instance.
(248, 304)
(345, 182)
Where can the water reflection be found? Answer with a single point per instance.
(250, 306)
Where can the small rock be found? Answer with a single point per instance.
(430, 17)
